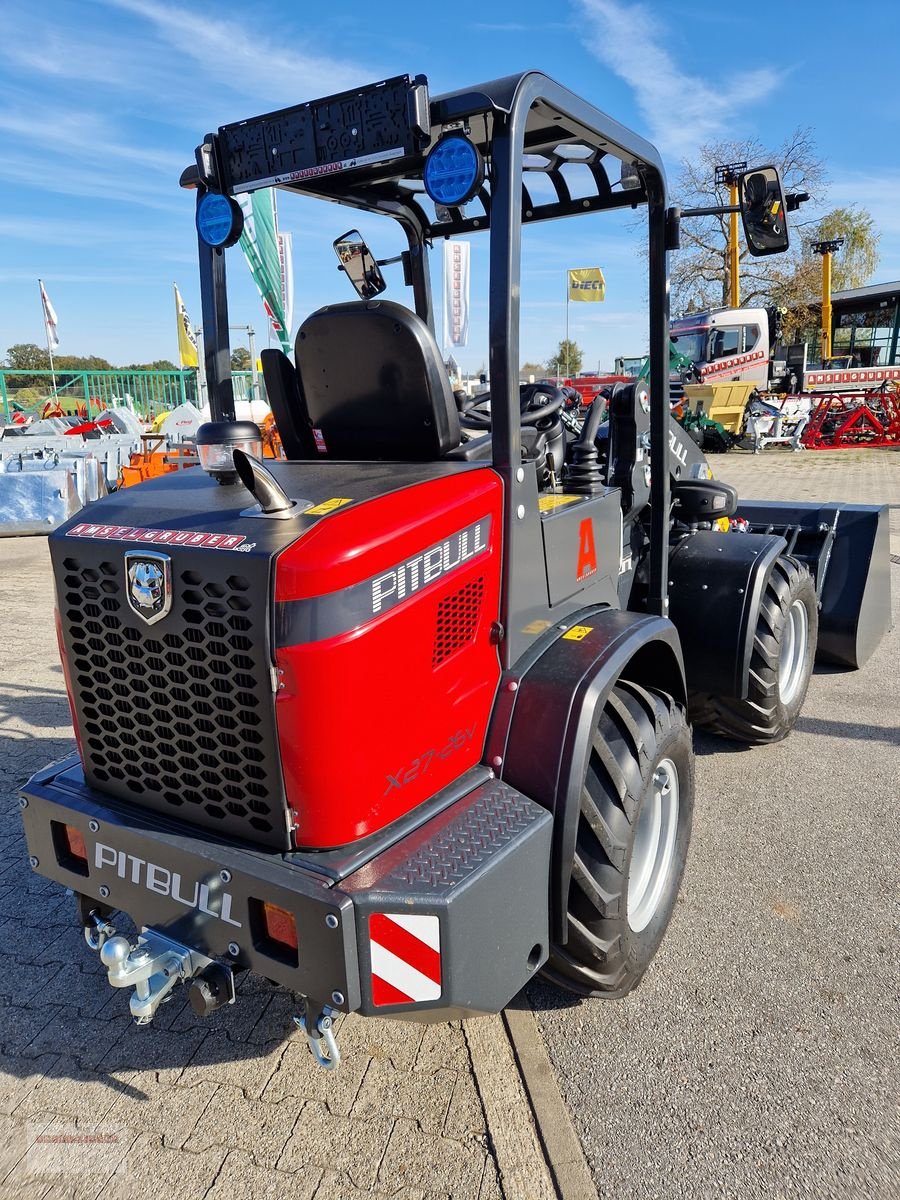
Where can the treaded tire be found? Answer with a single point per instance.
(764, 716)
(638, 730)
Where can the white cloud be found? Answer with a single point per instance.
(242, 57)
(66, 180)
(681, 110)
(84, 136)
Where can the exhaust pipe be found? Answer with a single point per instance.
(262, 485)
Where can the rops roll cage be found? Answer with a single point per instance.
(525, 126)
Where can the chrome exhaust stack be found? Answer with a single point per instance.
(271, 498)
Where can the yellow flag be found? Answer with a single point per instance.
(587, 283)
(187, 343)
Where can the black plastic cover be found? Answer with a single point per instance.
(350, 129)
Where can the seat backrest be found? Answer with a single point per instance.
(375, 384)
(288, 406)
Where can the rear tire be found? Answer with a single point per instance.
(633, 831)
(784, 649)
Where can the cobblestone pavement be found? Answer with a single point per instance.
(856, 476)
(231, 1106)
(758, 1058)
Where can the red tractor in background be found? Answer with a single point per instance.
(402, 720)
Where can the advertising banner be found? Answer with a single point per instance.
(456, 293)
(187, 342)
(587, 283)
(265, 255)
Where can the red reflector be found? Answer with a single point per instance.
(74, 839)
(279, 925)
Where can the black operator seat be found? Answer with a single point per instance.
(374, 384)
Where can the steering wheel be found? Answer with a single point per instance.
(474, 414)
(537, 401)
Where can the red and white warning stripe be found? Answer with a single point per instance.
(406, 958)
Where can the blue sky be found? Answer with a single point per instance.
(103, 102)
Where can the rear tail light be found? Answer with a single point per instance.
(69, 844)
(274, 931)
(68, 681)
(279, 925)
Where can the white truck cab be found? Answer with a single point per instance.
(726, 345)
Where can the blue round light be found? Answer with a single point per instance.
(454, 170)
(219, 220)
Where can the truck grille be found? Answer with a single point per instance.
(178, 717)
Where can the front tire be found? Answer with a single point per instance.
(637, 802)
(784, 650)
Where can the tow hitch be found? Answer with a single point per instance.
(153, 964)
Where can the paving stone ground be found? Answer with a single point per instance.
(91, 1106)
(855, 476)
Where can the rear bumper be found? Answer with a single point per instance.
(451, 921)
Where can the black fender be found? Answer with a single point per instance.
(716, 585)
(548, 709)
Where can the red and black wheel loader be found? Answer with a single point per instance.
(403, 720)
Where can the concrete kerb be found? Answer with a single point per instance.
(522, 1168)
(536, 1148)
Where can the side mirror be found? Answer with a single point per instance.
(763, 211)
(359, 265)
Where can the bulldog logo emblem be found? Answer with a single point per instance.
(149, 585)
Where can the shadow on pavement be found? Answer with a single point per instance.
(847, 729)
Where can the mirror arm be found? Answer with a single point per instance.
(717, 211)
(387, 262)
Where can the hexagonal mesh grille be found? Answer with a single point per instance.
(177, 716)
(457, 620)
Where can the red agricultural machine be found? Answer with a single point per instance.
(402, 720)
(855, 419)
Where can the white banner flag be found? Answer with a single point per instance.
(50, 321)
(286, 261)
(456, 294)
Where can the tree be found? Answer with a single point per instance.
(79, 362)
(567, 359)
(854, 264)
(159, 364)
(240, 359)
(700, 277)
(26, 356)
(530, 368)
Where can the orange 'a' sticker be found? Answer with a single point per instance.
(587, 553)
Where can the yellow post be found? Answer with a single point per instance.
(826, 249)
(728, 175)
(734, 258)
(826, 304)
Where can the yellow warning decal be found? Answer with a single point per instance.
(577, 633)
(549, 503)
(327, 506)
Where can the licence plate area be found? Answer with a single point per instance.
(209, 896)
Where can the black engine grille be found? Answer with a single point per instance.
(177, 716)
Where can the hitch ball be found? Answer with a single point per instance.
(212, 988)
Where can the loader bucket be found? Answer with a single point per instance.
(847, 548)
